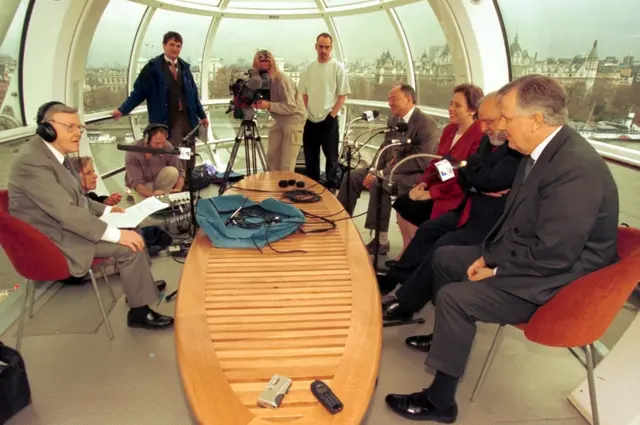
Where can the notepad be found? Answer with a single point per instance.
(135, 214)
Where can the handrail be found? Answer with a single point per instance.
(629, 158)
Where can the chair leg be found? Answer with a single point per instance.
(23, 312)
(106, 280)
(31, 293)
(495, 346)
(590, 351)
(104, 312)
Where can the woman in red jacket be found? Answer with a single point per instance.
(432, 197)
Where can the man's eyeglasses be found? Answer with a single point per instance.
(71, 127)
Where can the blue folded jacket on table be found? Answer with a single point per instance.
(235, 221)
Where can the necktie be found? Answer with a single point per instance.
(67, 165)
(527, 168)
(174, 71)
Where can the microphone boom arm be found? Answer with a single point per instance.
(410, 157)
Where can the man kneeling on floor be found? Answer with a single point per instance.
(560, 223)
(150, 174)
(45, 192)
(486, 180)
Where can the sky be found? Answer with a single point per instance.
(552, 28)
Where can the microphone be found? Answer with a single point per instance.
(255, 82)
(144, 149)
(370, 115)
(397, 124)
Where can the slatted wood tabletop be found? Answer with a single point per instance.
(243, 316)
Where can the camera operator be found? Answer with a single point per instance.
(287, 109)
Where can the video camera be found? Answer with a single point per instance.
(247, 92)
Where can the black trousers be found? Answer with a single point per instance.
(414, 270)
(461, 303)
(325, 135)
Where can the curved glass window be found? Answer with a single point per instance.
(278, 4)
(333, 3)
(105, 77)
(9, 56)
(192, 28)
(237, 41)
(373, 54)
(432, 58)
(592, 57)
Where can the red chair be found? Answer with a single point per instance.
(580, 313)
(4, 201)
(22, 243)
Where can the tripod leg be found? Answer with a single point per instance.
(247, 154)
(261, 154)
(232, 160)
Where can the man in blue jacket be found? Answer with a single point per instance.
(166, 83)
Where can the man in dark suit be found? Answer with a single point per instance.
(559, 224)
(424, 134)
(45, 192)
(166, 83)
(486, 180)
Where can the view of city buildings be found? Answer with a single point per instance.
(601, 88)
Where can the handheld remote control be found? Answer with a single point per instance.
(326, 397)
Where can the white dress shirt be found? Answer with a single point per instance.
(408, 116)
(112, 234)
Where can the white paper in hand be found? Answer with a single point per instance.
(135, 214)
(445, 170)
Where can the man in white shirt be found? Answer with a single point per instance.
(45, 192)
(324, 86)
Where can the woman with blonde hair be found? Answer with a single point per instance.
(288, 111)
(89, 179)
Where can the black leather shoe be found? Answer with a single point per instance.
(391, 263)
(418, 407)
(151, 320)
(392, 310)
(420, 342)
(161, 285)
(385, 283)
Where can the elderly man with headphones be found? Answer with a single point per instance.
(45, 192)
(153, 174)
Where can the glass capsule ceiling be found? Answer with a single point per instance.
(432, 45)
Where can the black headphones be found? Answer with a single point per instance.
(151, 128)
(292, 182)
(45, 129)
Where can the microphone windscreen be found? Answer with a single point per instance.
(402, 127)
(254, 83)
(376, 114)
(393, 121)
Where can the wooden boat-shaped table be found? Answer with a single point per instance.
(243, 316)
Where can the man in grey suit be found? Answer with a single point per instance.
(560, 223)
(424, 134)
(45, 192)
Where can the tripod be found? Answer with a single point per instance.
(254, 151)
